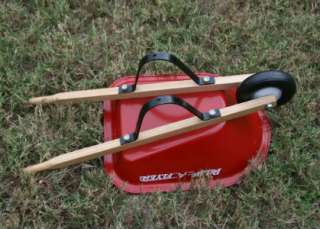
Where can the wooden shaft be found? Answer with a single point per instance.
(151, 135)
(143, 90)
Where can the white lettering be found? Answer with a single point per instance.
(178, 175)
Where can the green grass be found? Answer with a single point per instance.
(52, 46)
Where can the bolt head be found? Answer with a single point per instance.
(206, 79)
(269, 105)
(212, 112)
(124, 87)
(126, 137)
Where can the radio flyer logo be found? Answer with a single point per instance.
(179, 175)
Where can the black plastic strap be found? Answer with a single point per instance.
(161, 100)
(163, 56)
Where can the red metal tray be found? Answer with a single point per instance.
(222, 151)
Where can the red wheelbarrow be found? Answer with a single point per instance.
(208, 126)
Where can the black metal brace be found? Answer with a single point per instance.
(163, 56)
(161, 100)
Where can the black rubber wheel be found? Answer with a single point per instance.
(274, 79)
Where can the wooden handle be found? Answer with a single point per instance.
(75, 157)
(144, 90)
(151, 135)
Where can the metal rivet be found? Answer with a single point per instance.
(212, 112)
(126, 137)
(206, 79)
(124, 87)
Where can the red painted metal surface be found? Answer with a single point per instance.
(222, 151)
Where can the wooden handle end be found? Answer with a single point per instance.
(42, 100)
(32, 169)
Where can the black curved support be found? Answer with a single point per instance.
(163, 56)
(161, 100)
